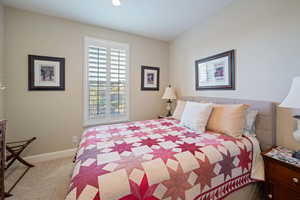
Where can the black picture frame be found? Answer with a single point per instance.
(143, 85)
(31, 73)
(231, 71)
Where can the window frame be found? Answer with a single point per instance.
(109, 44)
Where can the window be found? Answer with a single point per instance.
(106, 82)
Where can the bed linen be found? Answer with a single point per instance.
(160, 159)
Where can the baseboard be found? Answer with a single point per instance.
(50, 156)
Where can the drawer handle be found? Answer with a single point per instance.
(295, 180)
(270, 196)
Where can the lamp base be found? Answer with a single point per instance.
(169, 108)
(296, 134)
(296, 154)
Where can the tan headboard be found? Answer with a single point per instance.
(265, 121)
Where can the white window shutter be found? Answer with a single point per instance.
(107, 78)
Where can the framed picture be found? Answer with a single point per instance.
(150, 78)
(46, 73)
(216, 72)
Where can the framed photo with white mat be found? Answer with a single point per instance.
(216, 72)
(150, 78)
(46, 73)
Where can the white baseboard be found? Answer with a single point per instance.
(50, 156)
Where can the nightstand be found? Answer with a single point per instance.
(282, 174)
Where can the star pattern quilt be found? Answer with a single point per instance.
(158, 159)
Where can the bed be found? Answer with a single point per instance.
(160, 159)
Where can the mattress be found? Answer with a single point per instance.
(160, 159)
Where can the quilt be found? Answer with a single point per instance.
(158, 159)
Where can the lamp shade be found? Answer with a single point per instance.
(293, 98)
(169, 93)
(116, 2)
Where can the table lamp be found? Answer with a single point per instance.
(293, 101)
(170, 95)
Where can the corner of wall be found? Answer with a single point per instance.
(1, 59)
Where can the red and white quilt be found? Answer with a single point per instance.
(158, 159)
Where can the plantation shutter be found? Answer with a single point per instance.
(107, 82)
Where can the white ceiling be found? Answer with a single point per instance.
(160, 19)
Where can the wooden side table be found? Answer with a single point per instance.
(282, 175)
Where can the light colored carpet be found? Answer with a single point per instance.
(46, 181)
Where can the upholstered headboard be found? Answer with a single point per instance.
(265, 121)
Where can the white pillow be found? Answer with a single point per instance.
(179, 109)
(250, 118)
(195, 115)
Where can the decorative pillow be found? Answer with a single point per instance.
(196, 115)
(249, 128)
(228, 119)
(179, 109)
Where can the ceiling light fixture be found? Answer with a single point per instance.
(116, 2)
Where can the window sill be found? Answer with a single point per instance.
(104, 122)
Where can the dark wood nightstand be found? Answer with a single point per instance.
(282, 175)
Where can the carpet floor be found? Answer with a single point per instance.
(46, 181)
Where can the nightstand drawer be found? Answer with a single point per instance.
(281, 192)
(281, 174)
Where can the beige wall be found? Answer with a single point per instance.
(1, 59)
(265, 35)
(54, 117)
